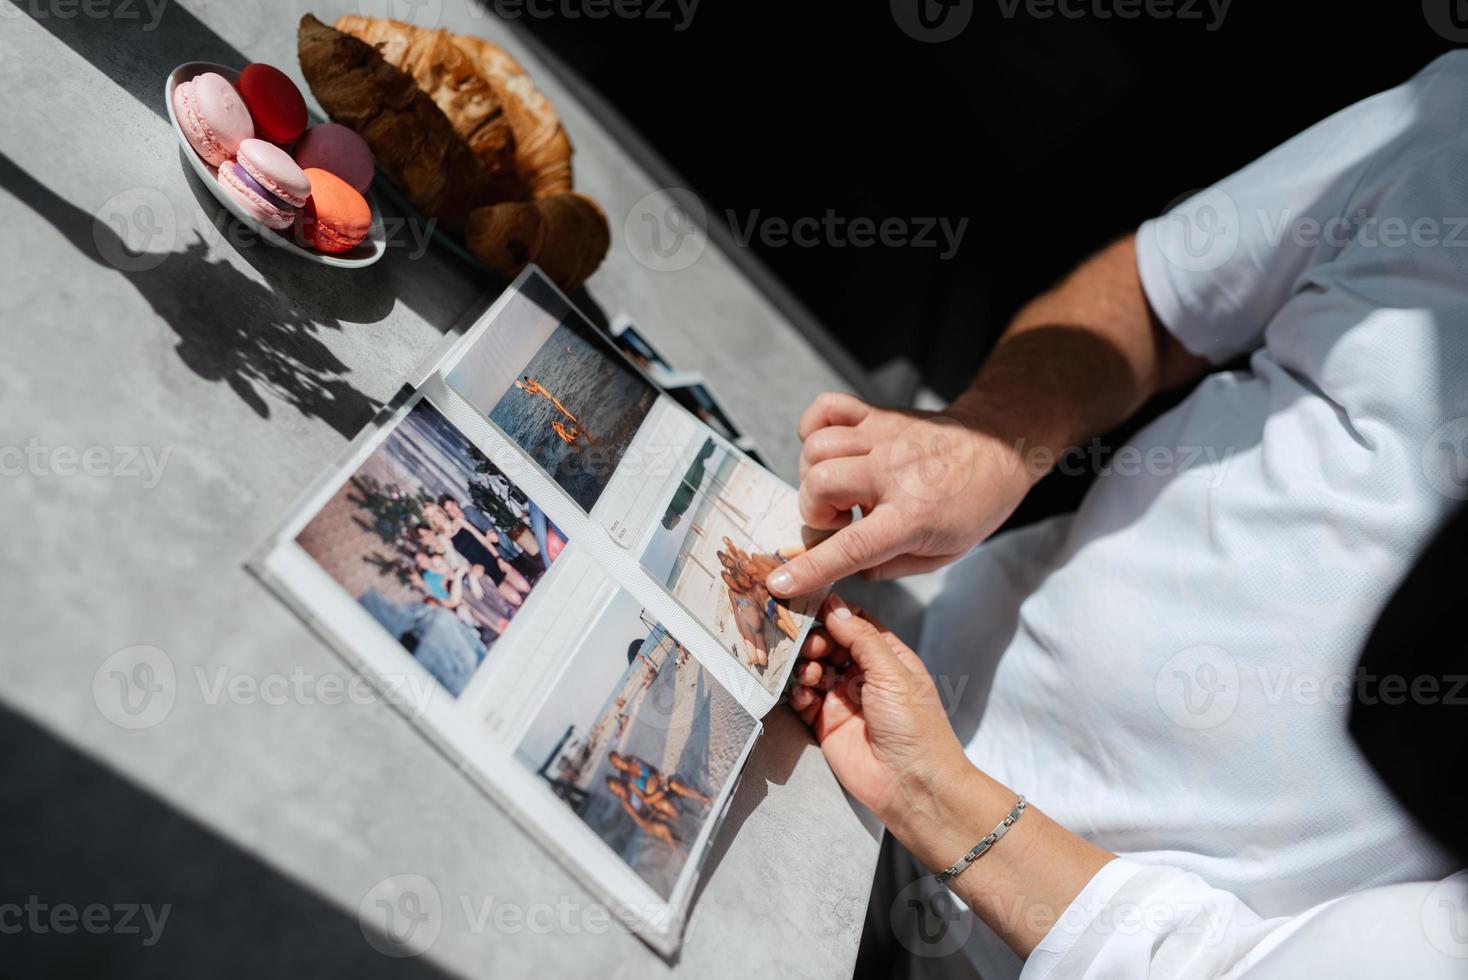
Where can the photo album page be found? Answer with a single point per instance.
(556, 570)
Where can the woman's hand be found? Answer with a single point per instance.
(876, 713)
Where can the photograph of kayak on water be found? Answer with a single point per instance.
(639, 740)
(558, 389)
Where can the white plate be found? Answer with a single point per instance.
(369, 251)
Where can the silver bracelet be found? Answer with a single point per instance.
(952, 871)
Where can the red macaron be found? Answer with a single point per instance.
(336, 218)
(276, 105)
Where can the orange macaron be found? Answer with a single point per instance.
(336, 217)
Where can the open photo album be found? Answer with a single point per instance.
(555, 570)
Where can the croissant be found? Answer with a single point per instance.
(542, 147)
(567, 235)
(476, 83)
(410, 137)
(451, 78)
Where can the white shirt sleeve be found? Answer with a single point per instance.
(1219, 265)
(1159, 923)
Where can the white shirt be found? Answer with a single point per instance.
(1172, 664)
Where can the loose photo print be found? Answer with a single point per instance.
(631, 342)
(729, 524)
(435, 543)
(557, 388)
(639, 740)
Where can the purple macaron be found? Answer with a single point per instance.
(337, 150)
(212, 116)
(266, 182)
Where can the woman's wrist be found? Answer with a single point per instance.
(941, 810)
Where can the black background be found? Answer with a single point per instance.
(1052, 136)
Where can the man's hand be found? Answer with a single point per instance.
(1075, 362)
(929, 486)
(875, 711)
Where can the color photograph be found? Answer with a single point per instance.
(560, 391)
(435, 543)
(639, 740)
(728, 525)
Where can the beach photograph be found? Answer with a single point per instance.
(728, 525)
(639, 740)
(436, 543)
(559, 390)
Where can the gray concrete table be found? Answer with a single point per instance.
(168, 388)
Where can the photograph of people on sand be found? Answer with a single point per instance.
(435, 543)
(559, 390)
(728, 525)
(639, 740)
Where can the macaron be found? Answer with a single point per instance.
(212, 116)
(274, 102)
(266, 182)
(337, 149)
(336, 218)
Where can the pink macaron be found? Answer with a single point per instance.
(212, 116)
(266, 182)
(336, 149)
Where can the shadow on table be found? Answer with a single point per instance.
(77, 836)
(230, 328)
